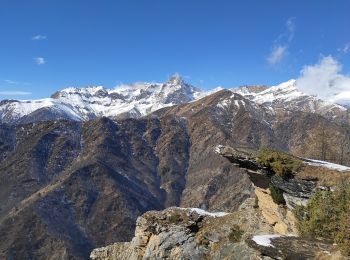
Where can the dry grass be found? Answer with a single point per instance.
(326, 177)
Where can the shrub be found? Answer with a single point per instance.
(277, 195)
(282, 164)
(342, 237)
(174, 218)
(256, 202)
(327, 216)
(235, 234)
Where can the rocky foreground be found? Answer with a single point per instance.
(183, 233)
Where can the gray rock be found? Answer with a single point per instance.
(296, 188)
(292, 201)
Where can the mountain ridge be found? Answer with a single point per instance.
(81, 104)
(140, 99)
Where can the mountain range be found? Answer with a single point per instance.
(81, 104)
(77, 169)
(140, 99)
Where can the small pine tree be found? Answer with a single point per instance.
(277, 195)
(327, 216)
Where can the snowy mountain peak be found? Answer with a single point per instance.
(84, 91)
(288, 84)
(287, 96)
(88, 89)
(176, 79)
(133, 100)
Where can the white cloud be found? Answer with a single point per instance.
(325, 81)
(281, 44)
(14, 93)
(277, 54)
(39, 37)
(39, 60)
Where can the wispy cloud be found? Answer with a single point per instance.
(39, 60)
(39, 37)
(326, 81)
(9, 81)
(277, 54)
(345, 49)
(280, 46)
(14, 93)
(290, 24)
(15, 82)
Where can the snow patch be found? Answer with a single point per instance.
(224, 103)
(218, 149)
(332, 166)
(206, 213)
(265, 240)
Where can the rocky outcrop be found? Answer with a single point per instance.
(295, 191)
(159, 235)
(244, 158)
(178, 233)
(294, 187)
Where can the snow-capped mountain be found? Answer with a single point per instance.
(80, 104)
(139, 99)
(287, 96)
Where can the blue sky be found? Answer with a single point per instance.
(47, 45)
